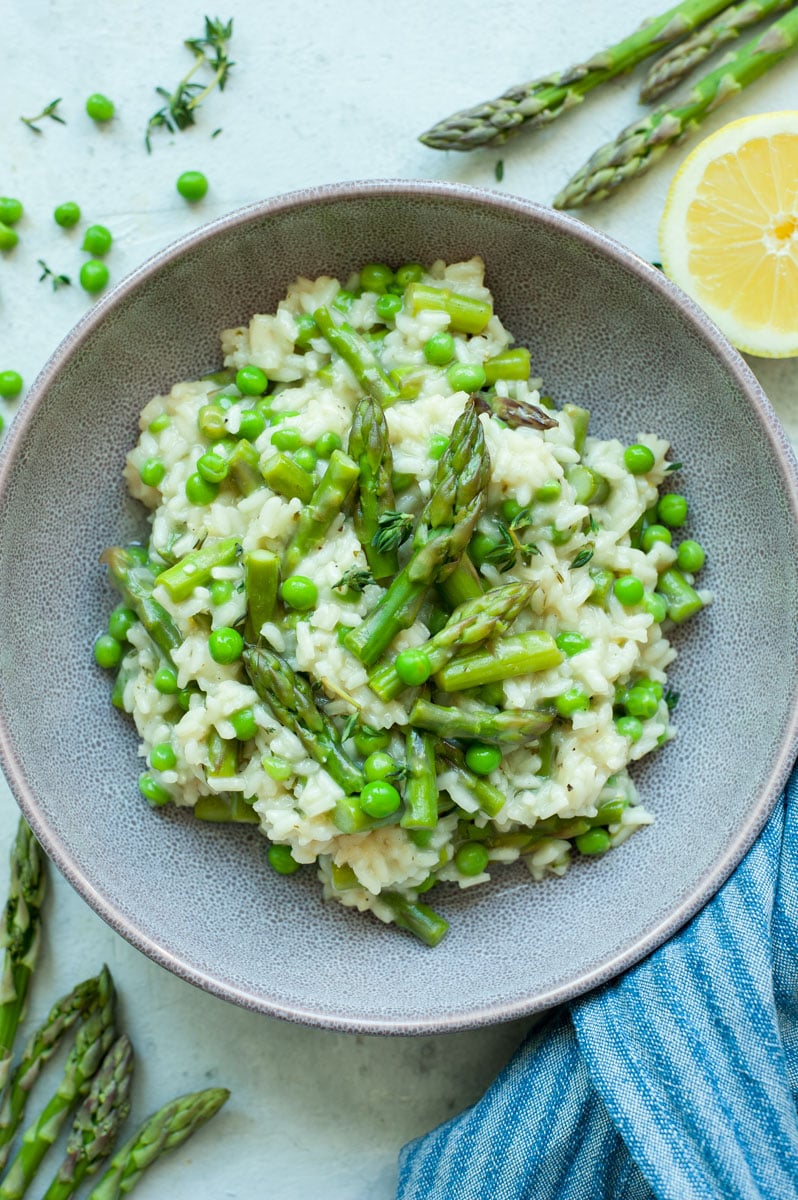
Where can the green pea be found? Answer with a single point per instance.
(11, 384)
(276, 767)
(471, 858)
(305, 457)
(163, 757)
(595, 841)
(439, 349)
(510, 509)
(152, 471)
(409, 273)
(672, 510)
(10, 210)
(221, 591)
(107, 651)
(641, 701)
(165, 681)
(159, 423)
(286, 439)
(690, 556)
(630, 727)
(466, 377)
(549, 491)
(200, 491)
(413, 667)
(375, 277)
(66, 215)
(379, 799)
(437, 446)
(94, 276)
(226, 645)
(8, 237)
(571, 642)
(389, 306)
(121, 621)
(282, 860)
(184, 697)
(628, 589)
(244, 724)
(97, 240)
(572, 700)
(306, 329)
(482, 759)
(379, 765)
(152, 791)
(99, 107)
(367, 740)
(299, 592)
(325, 445)
(212, 467)
(251, 380)
(192, 185)
(656, 606)
(252, 424)
(638, 459)
(560, 537)
(655, 533)
(344, 300)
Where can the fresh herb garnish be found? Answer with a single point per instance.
(181, 104)
(349, 726)
(671, 698)
(58, 281)
(354, 580)
(498, 170)
(673, 466)
(504, 553)
(584, 556)
(393, 528)
(50, 110)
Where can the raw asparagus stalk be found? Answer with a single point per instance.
(443, 531)
(414, 916)
(669, 70)
(537, 103)
(20, 929)
(136, 581)
(471, 623)
(358, 356)
(421, 787)
(638, 147)
(328, 498)
(166, 1129)
(290, 698)
(534, 650)
(195, 569)
(511, 726)
(515, 413)
(98, 1121)
(92, 1041)
(38, 1050)
(371, 450)
(262, 577)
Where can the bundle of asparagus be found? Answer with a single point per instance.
(691, 30)
(97, 1074)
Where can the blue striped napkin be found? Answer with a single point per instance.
(678, 1081)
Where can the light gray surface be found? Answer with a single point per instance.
(318, 94)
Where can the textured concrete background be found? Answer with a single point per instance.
(320, 92)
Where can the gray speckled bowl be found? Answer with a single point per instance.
(606, 330)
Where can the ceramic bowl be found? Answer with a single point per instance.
(606, 331)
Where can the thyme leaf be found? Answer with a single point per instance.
(58, 281)
(50, 110)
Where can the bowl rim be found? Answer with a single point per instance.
(712, 879)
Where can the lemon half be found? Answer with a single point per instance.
(729, 233)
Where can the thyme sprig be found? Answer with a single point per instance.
(181, 104)
(58, 281)
(50, 110)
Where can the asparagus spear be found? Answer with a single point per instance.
(669, 70)
(488, 797)
(92, 1041)
(326, 503)
(135, 581)
(194, 569)
(421, 787)
(534, 650)
(225, 808)
(464, 312)
(443, 531)
(359, 356)
(370, 448)
(98, 1121)
(475, 621)
(166, 1129)
(644, 142)
(287, 478)
(415, 917)
(262, 576)
(243, 467)
(38, 1050)
(515, 413)
(537, 103)
(511, 726)
(19, 936)
(290, 698)
(683, 600)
